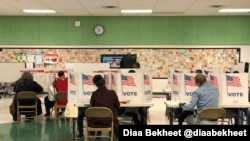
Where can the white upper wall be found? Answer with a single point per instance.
(245, 54)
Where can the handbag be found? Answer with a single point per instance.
(52, 92)
(12, 108)
(71, 111)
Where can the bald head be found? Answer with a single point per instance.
(200, 79)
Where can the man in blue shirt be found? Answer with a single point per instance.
(205, 96)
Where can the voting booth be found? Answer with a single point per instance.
(234, 88)
(175, 86)
(183, 85)
(175, 70)
(51, 74)
(216, 80)
(132, 87)
(81, 86)
(44, 77)
(73, 88)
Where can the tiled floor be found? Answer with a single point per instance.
(48, 130)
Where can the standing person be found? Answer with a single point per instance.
(103, 97)
(26, 83)
(61, 85)
(127, 61)
(205, 96)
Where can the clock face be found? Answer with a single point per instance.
(99, 30)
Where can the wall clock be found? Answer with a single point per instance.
(99, 29)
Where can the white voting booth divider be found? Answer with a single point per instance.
(73, 88)
(44, 77)
(51, 74)
(77, 91)
(81, 87)
(183, 83)
(234, 88)
(182, 86)
(216, 80)
(132, 87)
(172, 71)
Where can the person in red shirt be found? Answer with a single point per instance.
(61, 85)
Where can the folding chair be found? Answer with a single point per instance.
(58, 106)
(26, 100)
(98, 112)
(212, 113)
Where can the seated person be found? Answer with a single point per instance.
(180, 114)
(26, 83)
(102, 97)
(61, 85)
(205, 96)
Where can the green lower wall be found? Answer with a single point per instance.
(189, 30)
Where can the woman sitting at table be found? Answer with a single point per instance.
(26, 83)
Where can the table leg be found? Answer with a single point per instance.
(145, 115)
(73, 130)
(170, 115)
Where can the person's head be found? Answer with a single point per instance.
(198, 71)
(136, 65)
(98, 80)
(27, 76)
(200, 79)
(60, 74)
(131, 71)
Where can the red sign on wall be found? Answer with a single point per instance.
(51, 58)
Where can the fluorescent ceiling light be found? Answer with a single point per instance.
(234, 10)
(136, 11)
(38, 11)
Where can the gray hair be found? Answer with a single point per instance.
(26, 77)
